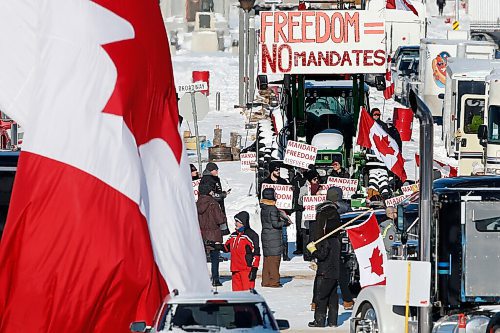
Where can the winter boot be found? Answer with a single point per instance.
(348, 305)
(319, 321)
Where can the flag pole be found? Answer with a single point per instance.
(342, 226)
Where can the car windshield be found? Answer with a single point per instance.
(212, 317)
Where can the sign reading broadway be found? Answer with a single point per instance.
(322, 42)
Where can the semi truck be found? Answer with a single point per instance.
(489, 132)
(464, 109)
(434, 55)
(458, 231)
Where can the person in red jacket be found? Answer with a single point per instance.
(243, 244)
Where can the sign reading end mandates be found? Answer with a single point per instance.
(192, 87)
(322, 42)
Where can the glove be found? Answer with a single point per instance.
(311, 247)
(253, 274)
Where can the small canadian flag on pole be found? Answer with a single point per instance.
(370, 251)
(389, 83)
(372, 135)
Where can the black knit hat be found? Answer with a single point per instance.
(334, 194)
(205, 189)
(269, 194)
(311, 174)
(193, 168)
(273, 165)
(211, 166)
(244, 218)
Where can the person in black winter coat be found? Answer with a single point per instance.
(211, 178)
(441, 4)
(337, 169)
(274, 178)
(272, 242)
(327, 254)
(195, 175)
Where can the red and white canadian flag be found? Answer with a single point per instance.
(389, 83)
(447, 171)
(370, 251)
(372, 135)
(102, 220)
(401, 5)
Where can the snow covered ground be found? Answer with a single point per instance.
(292, 302)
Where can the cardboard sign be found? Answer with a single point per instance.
(322, 42)
(300, 154)
(284, 195)
(196, 183)
(247, 161)
(410, 189)
(348, 186)
(309, 203)
(393, 202)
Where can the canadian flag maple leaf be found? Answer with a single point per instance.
(376, 261)
(383, 145)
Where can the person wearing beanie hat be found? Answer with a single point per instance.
(337, 169)
(210, 176)
(195, 175)
(274, 178)
(310, 187)
(327, 254)
(244, 246)
(210, 218)
(272, 240)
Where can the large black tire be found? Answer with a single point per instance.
(368, 312)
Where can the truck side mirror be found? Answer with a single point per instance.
(441, 96)
(380, 82)
(482, 134)
(262, 82)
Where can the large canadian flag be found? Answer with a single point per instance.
(370, 251)
(372, 135)
(401, 5)
(102, 220)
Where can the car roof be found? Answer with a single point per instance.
(355, 213)
(229, 297)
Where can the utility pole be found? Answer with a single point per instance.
(251, 57)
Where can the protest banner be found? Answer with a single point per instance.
(284, 195)
(348, 186)
(410, 189)
(247, 161)
(393, 202)
(300, 154)
(196, 183)
(322, 42)
(310, 202)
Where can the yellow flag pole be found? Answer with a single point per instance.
(407, 305)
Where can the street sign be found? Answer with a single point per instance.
(192, 87)
(456, 25)
(186, 106)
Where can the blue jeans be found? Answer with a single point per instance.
(214, 261)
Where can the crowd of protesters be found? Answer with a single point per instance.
(246, 248)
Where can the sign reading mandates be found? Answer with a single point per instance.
(322, 42)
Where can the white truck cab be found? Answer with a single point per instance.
(465, 99)
(489, 134)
